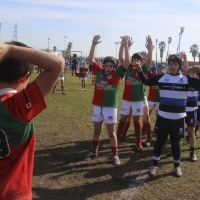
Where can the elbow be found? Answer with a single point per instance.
(61, 64)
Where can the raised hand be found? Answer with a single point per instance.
(183, 55)
(96, 39)
(130, 42)
(148, 44)
(124, 40)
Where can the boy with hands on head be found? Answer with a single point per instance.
(20, 103)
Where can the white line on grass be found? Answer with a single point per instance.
(134, 186)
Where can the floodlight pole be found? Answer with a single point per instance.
(156, 51)
(116, 48)
(48, 43)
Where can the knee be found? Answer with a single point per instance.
(111, 135)
(190, 134)
(146, 118)
(97, 132)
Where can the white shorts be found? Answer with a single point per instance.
(153, 105)
(105, 114)
(83, 78)
(135, 107)
(93, 76)
(61, 78)
(145, 102)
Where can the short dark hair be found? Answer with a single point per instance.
(109, 59)
(11, 70)
(175, 58)
(138, 56)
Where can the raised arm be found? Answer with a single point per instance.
(121, 49)
(95, 41)
(185, 62)
(124, 42)
(51, 64)
(149, 53)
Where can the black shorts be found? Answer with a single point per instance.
(73, 68)
(191, 118)
(174, 127)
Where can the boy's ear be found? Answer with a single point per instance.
(24, 78)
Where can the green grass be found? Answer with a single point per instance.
(63, 137)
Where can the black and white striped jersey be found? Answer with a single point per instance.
(173, 90)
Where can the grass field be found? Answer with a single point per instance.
(64, 132)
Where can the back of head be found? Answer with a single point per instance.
(176, 58)
(109, 59)
(11, 70)
(138, 56)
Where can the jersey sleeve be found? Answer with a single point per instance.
(95, 68)
(27, 104)
(145, 69)
(194, 82)
(149, 81)
(120, 71)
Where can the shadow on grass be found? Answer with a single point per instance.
(97, 176)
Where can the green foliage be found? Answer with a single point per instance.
(194, 49)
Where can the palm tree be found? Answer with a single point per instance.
(162, 46)
(69, 47)
(169, 42)
(143, 54)
(54, 48)
(194, 49)
(199, 57)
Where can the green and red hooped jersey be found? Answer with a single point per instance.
(83, 72)
(134, 89)
(17, 140)
(153, 90)
(106, 86)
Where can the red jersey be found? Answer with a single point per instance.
(106, 86)
(17, 140)
(83, 72)
(153, 90)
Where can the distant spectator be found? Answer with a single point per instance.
(74, 66)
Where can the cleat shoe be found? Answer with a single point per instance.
(193, 157)
(177, 171)
(148, 143)
(84, 89)
(139, 148)
(63, 93)
(115, 160)
(90, 156)
(54, 91)
(153, 170)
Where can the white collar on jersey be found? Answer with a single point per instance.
(7, 90)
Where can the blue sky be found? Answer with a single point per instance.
(38, 20)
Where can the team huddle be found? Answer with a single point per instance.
(173, 93)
